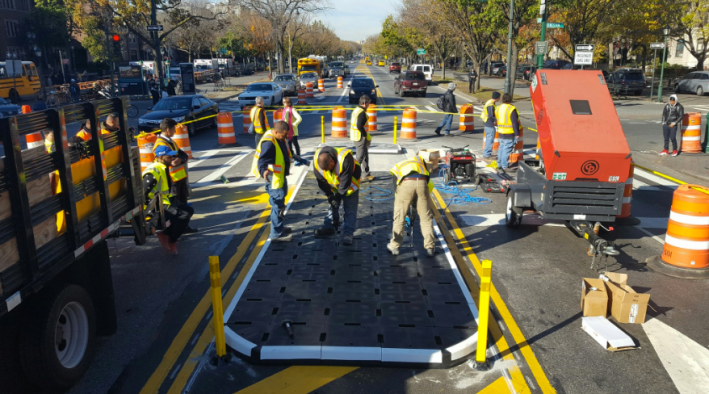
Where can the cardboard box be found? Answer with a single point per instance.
(594, 298)
(625, 304)
(431, 157)
(606, 334)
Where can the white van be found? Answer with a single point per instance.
(426, 69)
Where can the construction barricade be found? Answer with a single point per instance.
(309, 90)
(321, 85)
(225, 128)
(517, 154)
(691, 133)
(26, 109)
(339, 83)
(339, 123)
(372, 118)
(182, 139)
(146, 142)
(35, 139)
(246, 119)
(408, 124)
(301, 97)
(627, 195)
(686, 250)
(467, 120)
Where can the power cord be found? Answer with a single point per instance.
(460, 196)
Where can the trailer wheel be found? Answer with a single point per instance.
(58, 342)
(512, 217)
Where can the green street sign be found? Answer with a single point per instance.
(420, 51)
(555, 25)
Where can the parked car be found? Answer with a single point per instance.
(181, 109)
(395, 67)
(558, 65)
(369, 62)
(501, 71)
(410, 82)
(287, 82)
(336, 69)
(426, 69)
(347, 70)
(9, 109)
(309, 77)
(247, 71)
(493, 67)
(270, 91)
(626, 80)
(496, 68)
(360, 86)
(524, 71)
(696, 82)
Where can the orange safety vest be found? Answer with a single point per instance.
(84, 135)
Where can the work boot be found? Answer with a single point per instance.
(173, 248)
(283, 238)
(430, 252)
(437, 131)
(347, 240)
(324, 232)
(165, 242)
(394, 251)
(371, 177)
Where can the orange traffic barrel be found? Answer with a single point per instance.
(26, 109)
(182, 139)
(372, 118)
(686, 250)
(627, 195)
(277, 115)
(225, 128)
(309, 90)
(691, 133)
(467, 120)
(145, 145)
(408, 124)
(321, 85)
(339, 122)
(34, 140)
(301, 97)
(339, 83)
(246, 119)
(517, 154)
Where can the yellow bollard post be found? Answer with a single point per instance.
(322, 128)
(395, 120)
(481, 363)
(216, 284)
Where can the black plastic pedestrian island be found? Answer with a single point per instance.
(353, 304)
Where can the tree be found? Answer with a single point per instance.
(692, 29)
(434, 27)
(582, 20)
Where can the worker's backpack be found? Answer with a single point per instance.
(440, 103)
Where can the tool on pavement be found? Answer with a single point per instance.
(460, 164)
(288, 324)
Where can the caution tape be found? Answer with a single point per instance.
(675, 180)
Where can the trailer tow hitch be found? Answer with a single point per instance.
(597, 245)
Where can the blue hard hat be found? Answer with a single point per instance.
(163, 150)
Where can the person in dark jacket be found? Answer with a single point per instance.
(488, 116)
(154, 92)
(472, 78)
(171, 88)
(450, 108)
(671, 118)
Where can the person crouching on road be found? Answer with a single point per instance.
(293, 119)
(672, 116)
(272, 163)
(338, 175)
(488, 116)
(259, 120)
(508, 131)
(359, 134)
(178, 213)
(413, 186)
(450, 108)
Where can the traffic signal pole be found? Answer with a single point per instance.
(156, 46)
(508, 81)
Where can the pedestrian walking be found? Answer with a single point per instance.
(488, 116)
(446, 103)
(672, 116)
(508, 131)
(413, 187)
(171, 88)
(472, 79)
(360, 136)
(75, 91)
(338, 174)
(154, 92)
(293, 119)
(272, 163)
(259, 121)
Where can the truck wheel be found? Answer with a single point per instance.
(512, 218)
(58, 342)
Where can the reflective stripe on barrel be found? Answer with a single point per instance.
(225, 128)
(339, 122)
(182, 139)
(691, 133)
(467, 120)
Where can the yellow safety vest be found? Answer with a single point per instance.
(159, 171)
(256, 120)
(407, 167)
(504, 118)
(84, 135)
(278, 168)
(489, 103)
(176, 173)
(49, 146)
(333, 177)
(355, 134)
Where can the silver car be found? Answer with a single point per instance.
(287, 82)
(309, 77)
(696, 82)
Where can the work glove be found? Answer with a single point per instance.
(335, 202)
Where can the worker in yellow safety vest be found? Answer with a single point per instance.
(177, 213)
(338, 174)
(178, 171)
(272, 162)
(508, 131)
(413, 187)
(359, 134)
(488, 117)
(259, 120)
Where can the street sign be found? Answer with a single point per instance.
(154, 27)
(542, 47)
(583, 56)
(657, 45)
(420, 51)
(552, 25)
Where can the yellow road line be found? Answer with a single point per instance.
(297, 380)
(517, 335)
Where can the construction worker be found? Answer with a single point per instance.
(359, 134)
(413, 186)
(49, 146)
(272, 163)
(259, 120)
(508, 131)
(178, 172)
(85, 131)
(178, 213)
(110, 124)
(488, 116)
(338, 174)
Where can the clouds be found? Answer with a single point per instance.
(355, 20)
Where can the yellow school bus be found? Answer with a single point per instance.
(308, 64)
(26, 85)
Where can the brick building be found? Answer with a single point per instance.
(12, 32)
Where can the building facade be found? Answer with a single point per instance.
(13, 37)
(678, 52)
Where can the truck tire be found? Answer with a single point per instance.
(58, 342)
(512, 217)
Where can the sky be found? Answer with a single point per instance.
(358, 19)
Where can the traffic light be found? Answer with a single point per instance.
(117, 53)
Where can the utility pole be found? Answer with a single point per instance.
(543, 37)
(156, 45)
(508, 82)
(109, 53)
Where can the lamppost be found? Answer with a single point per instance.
(665, 32)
